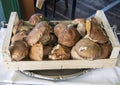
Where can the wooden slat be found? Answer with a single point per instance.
(62, 64)
(13, 19)
(100, 16)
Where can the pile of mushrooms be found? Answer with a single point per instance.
(38, 40)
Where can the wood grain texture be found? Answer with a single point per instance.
(61, 64)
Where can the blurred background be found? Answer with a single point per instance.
(62, 9)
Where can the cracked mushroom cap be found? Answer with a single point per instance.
(67, 35)
(60, 52)
(86, 49)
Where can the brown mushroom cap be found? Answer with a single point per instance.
(18, 36)
(97, 34)
(36, 52)
(60, 52)
(87, 49)
(74, 54)
(47, 50)
(67, 35)
(46, 37)
(59, 28)
(16, 26)
(37, 33)
(81, 25)
(35, 18)
(106, 50)
(20, 50)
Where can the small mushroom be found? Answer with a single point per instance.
(96, 33)
(80, 26)
(86, 49)
(36, 18)
(36, 52)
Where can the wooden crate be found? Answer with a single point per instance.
(61, 64)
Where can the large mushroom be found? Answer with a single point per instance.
(95, 32)
(67, 35)
(86, 49)
(39, 33)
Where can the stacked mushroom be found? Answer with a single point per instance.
(67, 37)
(94, 45)
(38, 39)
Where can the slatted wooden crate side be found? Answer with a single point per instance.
(60, 64)
(5, 48)
(100, 16)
